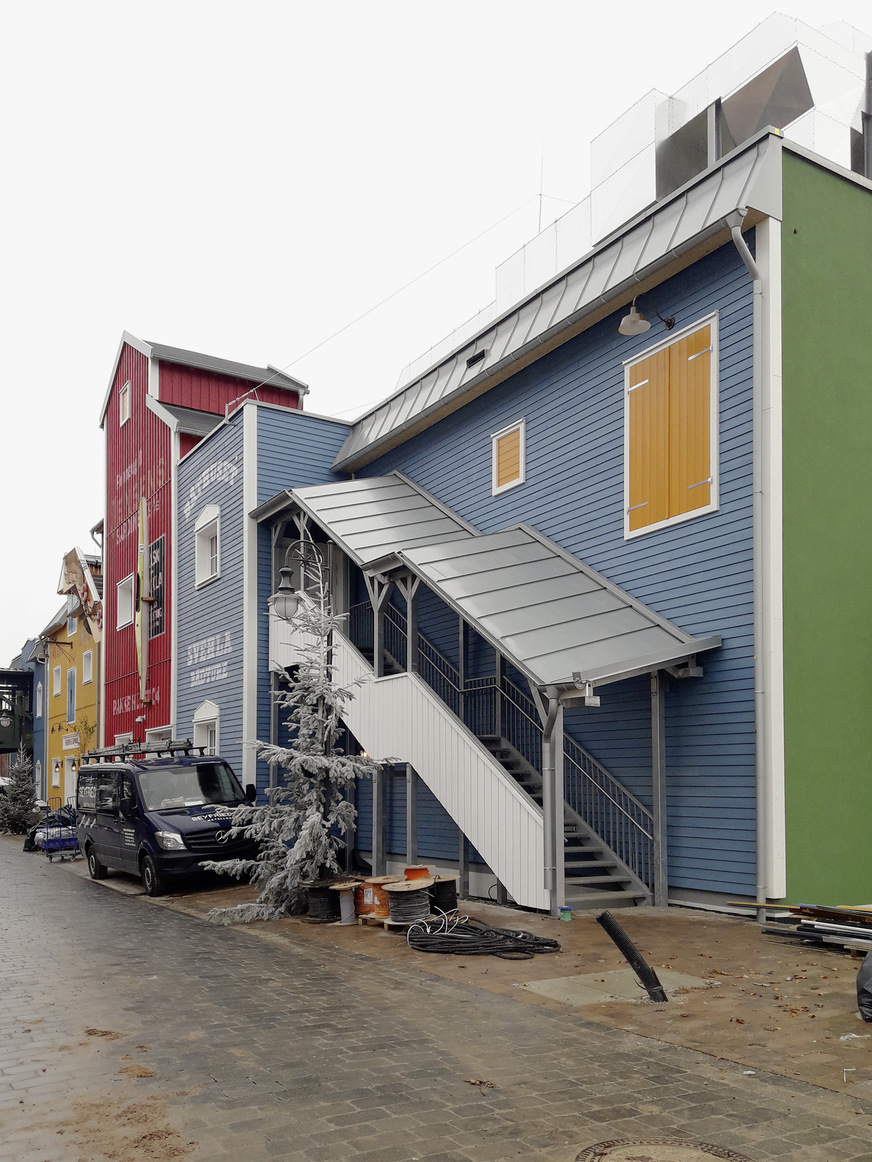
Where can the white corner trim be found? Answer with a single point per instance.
(249, 595)
(768, 575)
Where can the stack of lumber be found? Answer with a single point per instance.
(848, 927)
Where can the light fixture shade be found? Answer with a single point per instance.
(285, 602)
(5, 719)
(634, 323)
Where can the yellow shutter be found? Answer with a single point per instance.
(690, 467)
(509, 458)
(648, 405)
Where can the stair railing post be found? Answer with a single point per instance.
(463, 862)
(498, 694)
(461, 669)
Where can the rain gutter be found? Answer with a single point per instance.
(761, 694)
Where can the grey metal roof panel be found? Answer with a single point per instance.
(191, 421)
(546, 610)
(369, 518)
(750, 177)
(270, 375)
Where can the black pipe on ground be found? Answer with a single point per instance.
(646, 974)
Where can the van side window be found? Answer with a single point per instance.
(87, 791)
(107, 785)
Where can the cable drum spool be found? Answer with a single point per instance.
(443, 894)
(409, 901)
(380, 904)
(323, 904)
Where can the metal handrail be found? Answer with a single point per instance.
(620, 820)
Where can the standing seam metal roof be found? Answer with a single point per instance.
(552, 615)
(694, 217)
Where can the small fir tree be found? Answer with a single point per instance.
(299, 831)
(18, 805)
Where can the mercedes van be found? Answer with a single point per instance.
(157, 816)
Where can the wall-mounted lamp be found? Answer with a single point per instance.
(5, 719)
(74, 766)
(635, 323)
(57, 767)
(305, 555)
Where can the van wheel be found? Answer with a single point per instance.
(151, 877)
(96, 870)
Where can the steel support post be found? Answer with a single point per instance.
(658, 781)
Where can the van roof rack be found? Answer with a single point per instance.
(126, 750)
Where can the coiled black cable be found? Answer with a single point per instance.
(408, 906)
(466, 936)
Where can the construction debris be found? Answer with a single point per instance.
(846, 927)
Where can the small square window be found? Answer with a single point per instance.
(508, 457)
(207, 546)
(87, 667)
(124, 602)
(56, 681)
(124, 405)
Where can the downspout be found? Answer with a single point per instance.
(761, 751)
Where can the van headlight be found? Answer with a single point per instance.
(170, 840)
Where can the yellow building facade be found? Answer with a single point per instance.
(72, 699)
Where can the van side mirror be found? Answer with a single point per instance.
(251, 792)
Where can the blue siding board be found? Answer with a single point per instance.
(210, 619)
(698, 574)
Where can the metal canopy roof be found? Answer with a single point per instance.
(371, 518)
(666, 237)
(550, 614)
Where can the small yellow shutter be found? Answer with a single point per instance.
(508, 458)
(690, 467)
(648, 427)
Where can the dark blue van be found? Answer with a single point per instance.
(157, 816)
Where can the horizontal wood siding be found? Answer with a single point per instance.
(697, 573)
(293, 449)
(211, 616)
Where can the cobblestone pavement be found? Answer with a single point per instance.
(132, 1030)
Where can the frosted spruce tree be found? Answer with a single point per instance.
(300, 829)
(18, 804)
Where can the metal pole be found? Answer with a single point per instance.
(411, 814)
(658, 780)
(463, 861)
(379, 856)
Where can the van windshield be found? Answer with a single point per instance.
(190, 786)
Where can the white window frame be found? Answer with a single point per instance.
(206, 721)
(518, 426)
(159, 734)
(87, 667)
(56, 772)
(37, 777)
(207, 546)
(72, 625)
(120, 739)
(124, 404)
(124, 601)
(39, 698)
(712, 321)
(56, 682)
(71, 694)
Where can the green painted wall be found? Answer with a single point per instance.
(827, 332)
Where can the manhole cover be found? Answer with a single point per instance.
(657, 1150)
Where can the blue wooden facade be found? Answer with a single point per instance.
(698, 574)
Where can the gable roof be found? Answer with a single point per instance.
(260, 376)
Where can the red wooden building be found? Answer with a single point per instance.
(160, 403)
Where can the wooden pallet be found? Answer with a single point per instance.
(387, 924)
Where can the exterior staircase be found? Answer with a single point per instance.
(594, 876)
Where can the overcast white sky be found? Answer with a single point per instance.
(244, 180)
